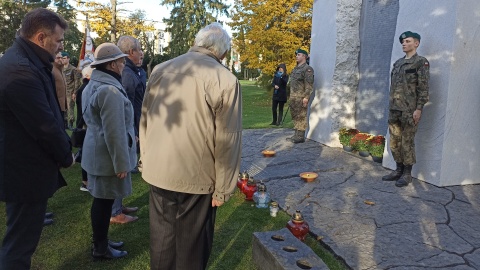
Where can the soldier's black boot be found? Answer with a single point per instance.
(300, 138)
(395, 175)
(406, 177)
(293, 137)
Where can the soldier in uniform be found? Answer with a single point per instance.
(73, 80)
(301, 87)
(408, 95)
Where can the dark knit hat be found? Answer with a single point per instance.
(65, 54)
(408, 34)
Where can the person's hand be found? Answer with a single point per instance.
(136, 138)
(74, 97)
(276, 87)
(416, 116)
(216, 203)
(122, 175)
(305, 102)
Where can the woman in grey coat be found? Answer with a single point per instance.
(109, 149)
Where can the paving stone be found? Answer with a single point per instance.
(276, 250)
(420, 226)
(474, 259)
(465, 220)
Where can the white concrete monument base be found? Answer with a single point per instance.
(447, 141)
(334, 57)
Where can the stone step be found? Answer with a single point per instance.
(277, 250)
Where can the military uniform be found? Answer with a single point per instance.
(74, 81)
(408, 92)
(301, 86)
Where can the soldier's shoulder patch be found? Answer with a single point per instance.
(426, 64)
(309, 70)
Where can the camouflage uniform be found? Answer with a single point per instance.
(74, 81)
(301, 86)
(408, 92)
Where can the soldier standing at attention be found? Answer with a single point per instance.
(408, 95)
(73, 79)
(301, 87)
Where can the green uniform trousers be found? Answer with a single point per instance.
(402, 136)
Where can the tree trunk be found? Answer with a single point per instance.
(113, 33)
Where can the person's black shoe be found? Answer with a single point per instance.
(300, 137)
(274, 123)
(109, 254)
(49, 215)
(406, 177)
(294, 137)
(115, 245)
(395, 175)
(47, 221)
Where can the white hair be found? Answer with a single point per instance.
(214, 38)
(127, 43)
(87, 72)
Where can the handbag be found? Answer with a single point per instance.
(78, 136)
(78, 133)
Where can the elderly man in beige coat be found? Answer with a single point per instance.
(190, 134)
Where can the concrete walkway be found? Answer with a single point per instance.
(416, 227)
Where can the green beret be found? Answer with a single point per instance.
(65, 54)
(301, 51)
(408, 34)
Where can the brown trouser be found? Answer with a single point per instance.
(181, 229)
(299, 113)
(402, 136)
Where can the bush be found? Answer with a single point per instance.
(376, 145)
(345, 135)
(359, 141)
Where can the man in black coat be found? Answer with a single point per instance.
(33, 142)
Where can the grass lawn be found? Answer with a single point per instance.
(257, 108)
(66, 244)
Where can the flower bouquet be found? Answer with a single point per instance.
(359, 143)
(376, 145)
(345, 135)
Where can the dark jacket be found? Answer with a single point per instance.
(33, 142)
(78, 101)
(280, 94)
(135, 88)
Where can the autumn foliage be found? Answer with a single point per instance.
(268, 32)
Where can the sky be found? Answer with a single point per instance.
(155, 12)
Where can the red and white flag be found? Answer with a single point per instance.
(86, 53)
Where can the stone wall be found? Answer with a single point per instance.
(447, 148)
(334, 103)
(352, 37)
(377, 30)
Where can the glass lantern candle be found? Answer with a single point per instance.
(242, 180)
(249, 189)
(273, 209)
(298, 226)
(261, 197)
